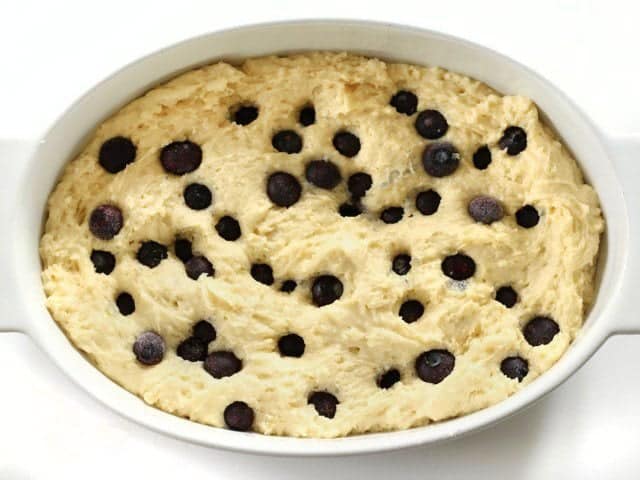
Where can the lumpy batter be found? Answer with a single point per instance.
(322, 245)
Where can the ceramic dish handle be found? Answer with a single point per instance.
(13, 156)
(626, 152)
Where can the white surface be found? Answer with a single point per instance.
(584, 430)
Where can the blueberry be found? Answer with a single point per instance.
(388, 379)
(404, 102)
(485, 209)
(540, 331)
(291, 345)
(346, 143)
(482, 158)
(440, 159)
(283, 189)
(149, 348)
(428, 202)
(179, 158)
(287, 141)
(435, 365)
(125, 303)
(198, 265)
(507, 296)
(222, 364)
(401, 264)
(325, 403)
(349, 210)
(307, 116)
(182, 248)
(514, 140)
(228, 228)
(103, 262)
(411, 310)
(458, 266)
(197, 196)
(288, 286)
(431, 124)
(323, 174)
(515, 367)
(326, 289)
(151, 253)
(263, 273)
(527, 216)
(204, 331)
(392, 214)
(245, 115)
(239, 416)
(192, 349)
(105, 221)
(116, 153)
(358, 184)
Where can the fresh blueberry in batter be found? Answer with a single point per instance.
(485, 209)
(149, 348)
(245, 115)
(358, 184)
(507, 296)
(151, 253)
(323, 174)
(106, 221)
(228, 228)
(514, 140)
(346, 143)
(428, 202)
(288, 286)
(103, 262)
(222, 364)
(283, 189)
(287, 141)
(197, 196)
(392, 214)
(404, 102)
(182, 249)
(198, 265)
(388, 379)
(291, 345)
(440, 159)
(482, 158)
(307, 116)
(435, 365)
(325, 403)
(239, 416)
(458, 266)
(515, 367)
(401, 264)
(411, 310)
(527, 216)
(349, 209)
(116, 153)
(326, 289)
(192, 349)
(180, 158)
(431, 124)
(204, 331)
(125, 303)
(540, 331)
(263, 273)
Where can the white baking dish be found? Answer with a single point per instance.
(26, 186)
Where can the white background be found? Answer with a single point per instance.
(50, 52)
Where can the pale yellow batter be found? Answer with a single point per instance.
(350, 342)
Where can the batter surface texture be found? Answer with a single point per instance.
(322, 245)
